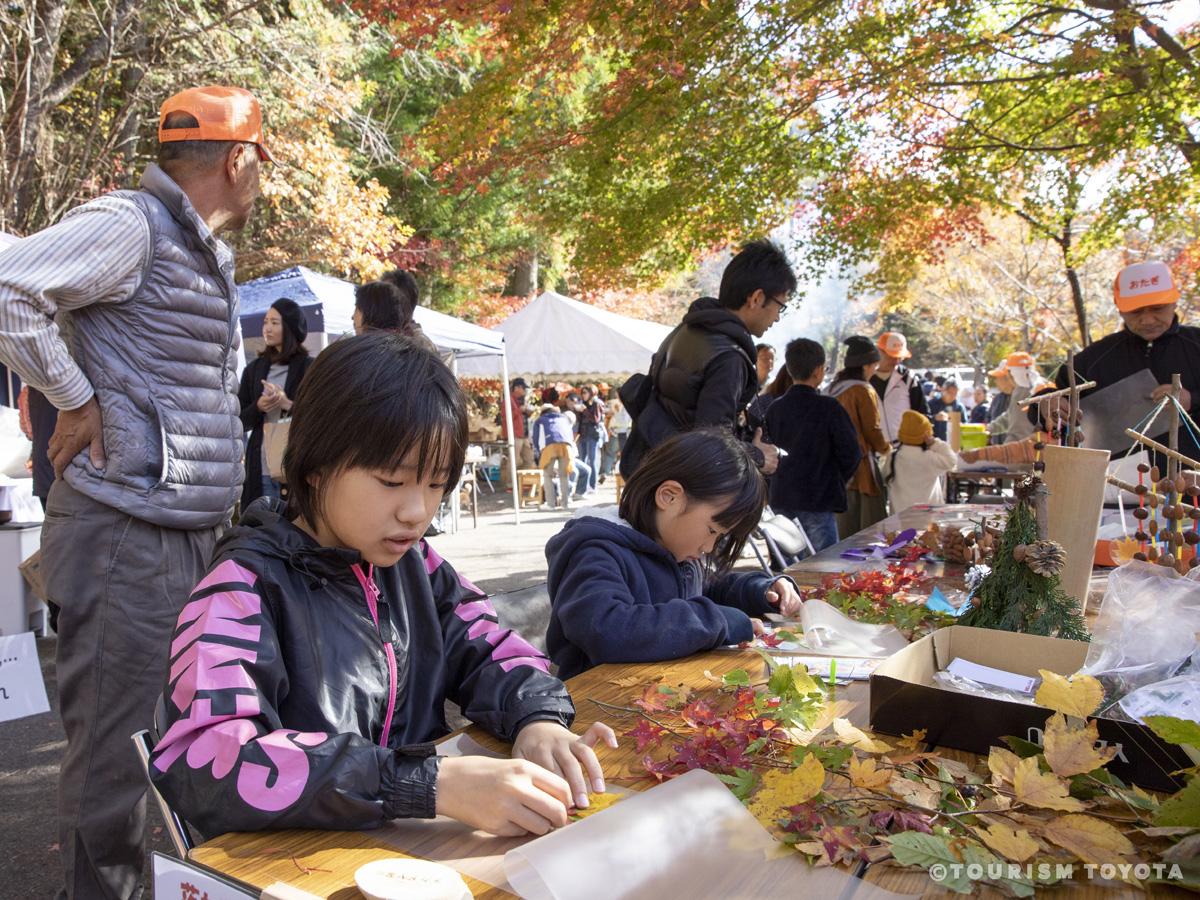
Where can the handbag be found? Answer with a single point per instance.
(275, 437)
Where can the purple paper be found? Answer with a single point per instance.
(882, 549)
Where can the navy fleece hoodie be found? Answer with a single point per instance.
(617, 596)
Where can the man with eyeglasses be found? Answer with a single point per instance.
(705, 372)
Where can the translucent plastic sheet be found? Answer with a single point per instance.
(688, 837)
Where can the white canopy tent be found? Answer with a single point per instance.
(556, 336)
(328, 306)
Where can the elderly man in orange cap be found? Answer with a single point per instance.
(898, 387)
(148, 446)
(1146, 296)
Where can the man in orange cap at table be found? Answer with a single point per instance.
(898, 387)
(1018, 377)
(147, 452)
(1152, 338)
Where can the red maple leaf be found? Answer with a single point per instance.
(646, 735)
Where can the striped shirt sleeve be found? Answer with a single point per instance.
(96, 254)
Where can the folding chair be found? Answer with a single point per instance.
(177, 829)
(785, 539)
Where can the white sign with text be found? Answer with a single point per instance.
(22, 690)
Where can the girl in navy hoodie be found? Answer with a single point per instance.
(310, 668)
(652, 583)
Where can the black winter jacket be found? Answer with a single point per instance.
(1122, 354)
(823, 452)
(250, 389)
(304, 687)
(703, 374)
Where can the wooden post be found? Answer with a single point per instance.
(1173, 439)
(954, 432)
(1075, 477)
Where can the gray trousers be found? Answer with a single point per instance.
(121, 583)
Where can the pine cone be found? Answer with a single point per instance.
(1046, 558)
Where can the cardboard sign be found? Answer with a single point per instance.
(22, 690)
(178, 880)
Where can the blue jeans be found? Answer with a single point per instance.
(270, 488)
(589, 452)
(581, 475)
(821, 528)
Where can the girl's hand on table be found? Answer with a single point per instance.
(506, 797)
(567, 755)
(783, 594)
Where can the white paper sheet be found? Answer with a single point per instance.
(689, 837)
(1010, 681)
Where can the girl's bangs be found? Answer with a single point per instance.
(427, 435)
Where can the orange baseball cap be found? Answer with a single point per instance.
(1001, 369)
(1144, 284)
(1018, 360)
(893, 343)
(224, 113)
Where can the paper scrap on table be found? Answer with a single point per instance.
(22, 689)
(1010, 681)
(688, 837)
(820, 667)
(938, 603)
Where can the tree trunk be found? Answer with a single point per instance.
(523, 279)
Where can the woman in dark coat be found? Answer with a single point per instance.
(269, 384)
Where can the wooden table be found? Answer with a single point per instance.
(829, 561)
(971, 479)
(262, 858)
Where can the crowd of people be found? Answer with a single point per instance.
(302, 656)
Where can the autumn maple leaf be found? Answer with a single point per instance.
(646, 735)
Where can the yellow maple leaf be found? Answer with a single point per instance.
(864, 774)
(914, 793)
(1071, 750)
(780, 789)
(855, 737)
(1077, 696)
(596, 803)
(1042, 789)
(1003, 764)
(914, 741)
(1010, 843)
(1092, 840)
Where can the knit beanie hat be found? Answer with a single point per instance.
(293, 317)
(914, 428)
(860, 351)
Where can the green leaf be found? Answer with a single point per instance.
(832, 758)
(741, 783)
(1177, 731)
(913, 848)
(1183, 808)
(736, 678)
(1022, 747)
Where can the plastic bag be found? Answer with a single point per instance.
(829, 631)
(1146, 630)
(951, 682)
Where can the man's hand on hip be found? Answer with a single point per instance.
(76, 429)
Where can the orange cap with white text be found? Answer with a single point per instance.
(223, 113)
(1144, 284)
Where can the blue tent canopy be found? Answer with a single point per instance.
(328, 306)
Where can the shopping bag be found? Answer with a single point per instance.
(275, 436)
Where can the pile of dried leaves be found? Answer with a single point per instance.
(891, 596)
(839, 794)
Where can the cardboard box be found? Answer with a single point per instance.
(904, 697)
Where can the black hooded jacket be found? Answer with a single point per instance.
(1120, 355)
(305, 685)
(703, 374)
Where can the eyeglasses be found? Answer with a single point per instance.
(783, 307)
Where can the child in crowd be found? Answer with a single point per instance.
(637, 587)
(866, 498)
(554, 450)
(309, 670)
(941, 406)
(821, 444)
(913, 473)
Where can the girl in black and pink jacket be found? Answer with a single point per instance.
(309, 669)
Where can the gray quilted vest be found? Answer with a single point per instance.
(163, 365)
